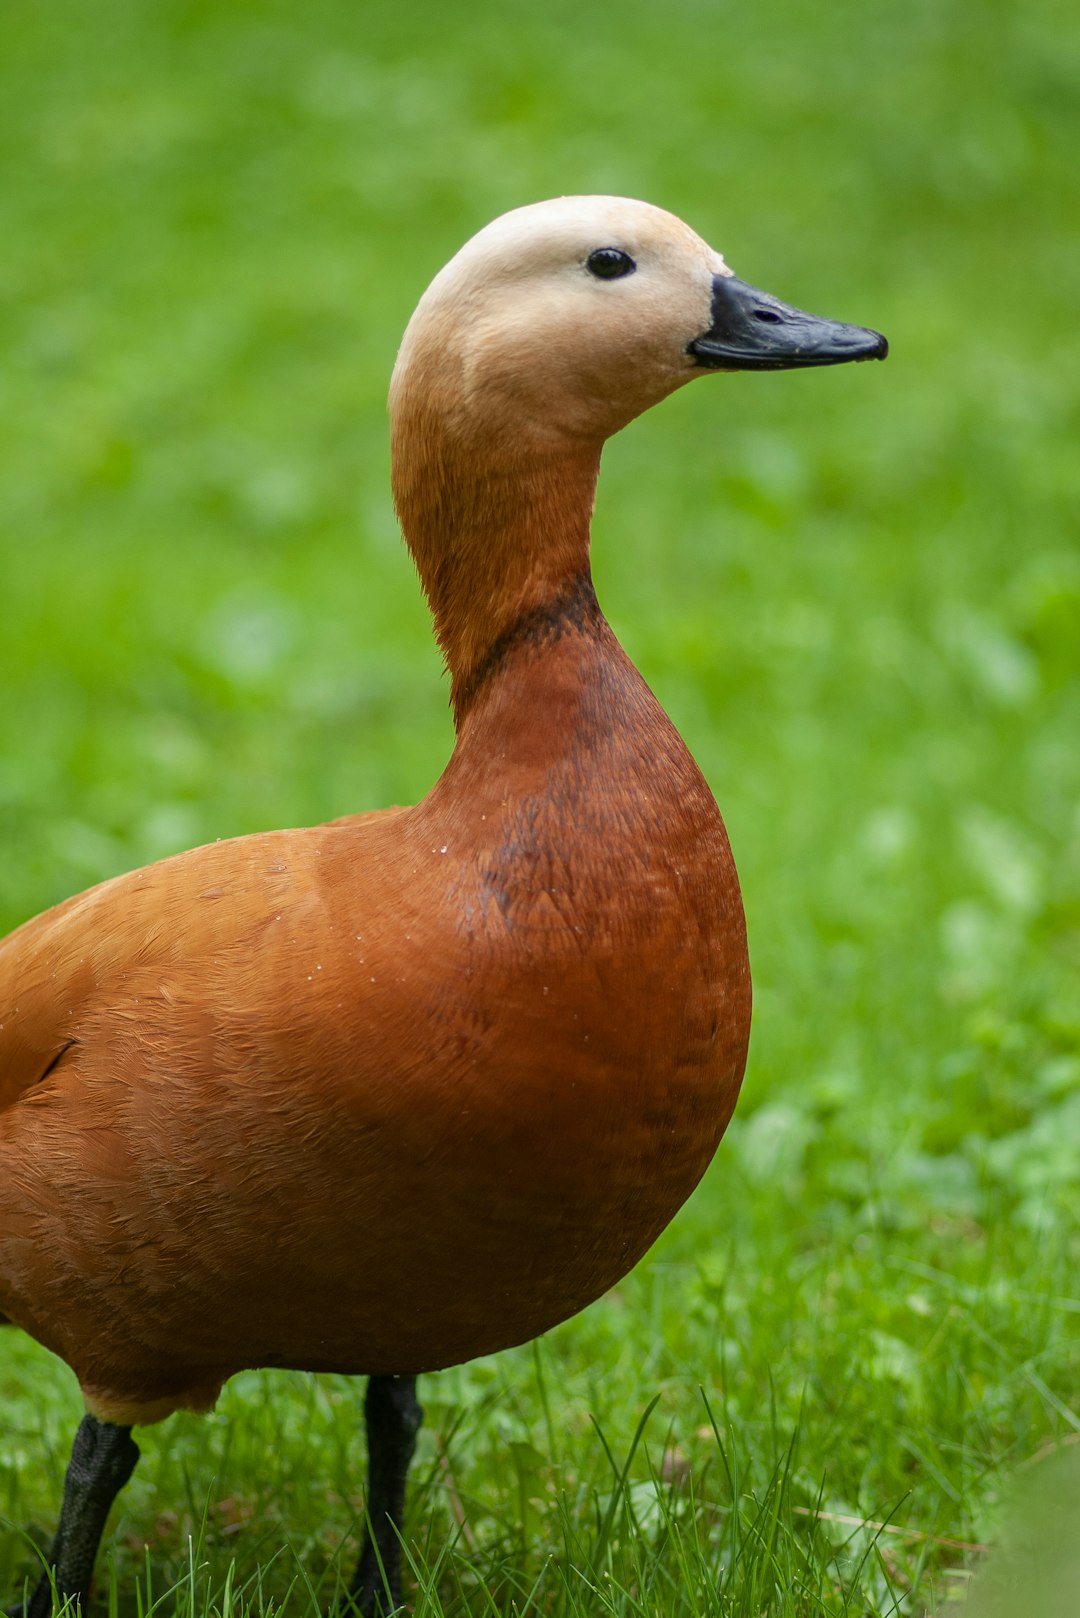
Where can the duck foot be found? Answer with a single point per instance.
(393, 1416)
(103, 1457)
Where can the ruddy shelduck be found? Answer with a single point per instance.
(412, 1086)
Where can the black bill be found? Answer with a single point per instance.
(753, 331)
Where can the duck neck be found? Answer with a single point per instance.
(500, 541)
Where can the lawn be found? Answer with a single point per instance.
(858, 594)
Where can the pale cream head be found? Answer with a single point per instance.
(520, 341)
(549, 331)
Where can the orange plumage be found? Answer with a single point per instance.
(388, 1093)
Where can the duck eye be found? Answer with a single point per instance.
(609, 263)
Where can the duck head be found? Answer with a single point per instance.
(560, 322)
(550, 330)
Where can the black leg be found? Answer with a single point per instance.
(393, 1418)
(103, 1457)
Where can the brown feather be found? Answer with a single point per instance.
(384, 1094)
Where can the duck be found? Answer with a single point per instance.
(385, 1094)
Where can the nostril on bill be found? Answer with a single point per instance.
(770, 316)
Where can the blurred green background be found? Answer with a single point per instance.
(857, 592)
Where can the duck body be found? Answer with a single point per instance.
(385, 1094)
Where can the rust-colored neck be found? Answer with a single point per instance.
(496, 537)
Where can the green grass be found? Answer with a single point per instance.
(858, 594)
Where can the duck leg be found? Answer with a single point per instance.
(393, 1417)
(103, 1457)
